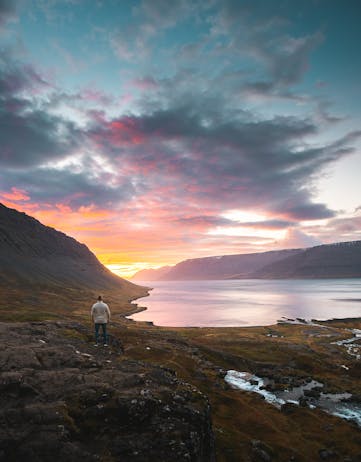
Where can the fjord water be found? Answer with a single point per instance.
(248, 302)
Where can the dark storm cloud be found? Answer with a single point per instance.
(306, 211)
(50, 186)
(33, 140)
(29, 135)
(7, 10)
(209, 158)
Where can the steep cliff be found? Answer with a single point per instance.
(31, 253)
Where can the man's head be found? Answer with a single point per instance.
(100, 298)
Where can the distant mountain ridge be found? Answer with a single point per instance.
(339, 260)
(152, 274)
(219, 267)
(34, 254)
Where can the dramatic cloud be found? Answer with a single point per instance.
(262, 163)
(30, 136)
(204, 125)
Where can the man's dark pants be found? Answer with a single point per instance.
(104, 331)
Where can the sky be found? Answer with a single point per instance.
(157, 131)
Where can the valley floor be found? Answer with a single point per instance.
(246, 426)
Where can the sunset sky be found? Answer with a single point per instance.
(155, 131)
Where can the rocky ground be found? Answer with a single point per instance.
(159, 394)
(62, 399)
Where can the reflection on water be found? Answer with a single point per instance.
(248, 302)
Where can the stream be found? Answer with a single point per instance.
(310, 394)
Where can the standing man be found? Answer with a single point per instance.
(100, 314)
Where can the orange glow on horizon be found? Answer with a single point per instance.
(144, 235)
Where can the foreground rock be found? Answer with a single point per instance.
(63, 399)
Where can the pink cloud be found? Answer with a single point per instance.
(63, 208)
(339, 229)
(125, 130)
(296, 238)
(118, 133)
(95, 96)
(146, 83)
(126, 99)
(16, 194)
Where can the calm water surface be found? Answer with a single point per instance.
(248, 302)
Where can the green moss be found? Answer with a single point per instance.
(74, 334)
(27, 316)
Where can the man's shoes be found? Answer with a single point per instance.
(105, 344)
(96, 344)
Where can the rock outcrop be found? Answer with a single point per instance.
(62, 399)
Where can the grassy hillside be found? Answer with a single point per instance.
(45, 273)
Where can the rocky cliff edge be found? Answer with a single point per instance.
(64, 399)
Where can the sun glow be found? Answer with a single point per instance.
(244, 231)
(128, 269)
(248, 230)
(122, 270)
(243, 216)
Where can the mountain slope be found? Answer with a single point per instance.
(341, 260)
(222, 267)
(151, 274)
(32, 254)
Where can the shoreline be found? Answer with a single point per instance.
(194, 314)
(138, 309)
(279, 322)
